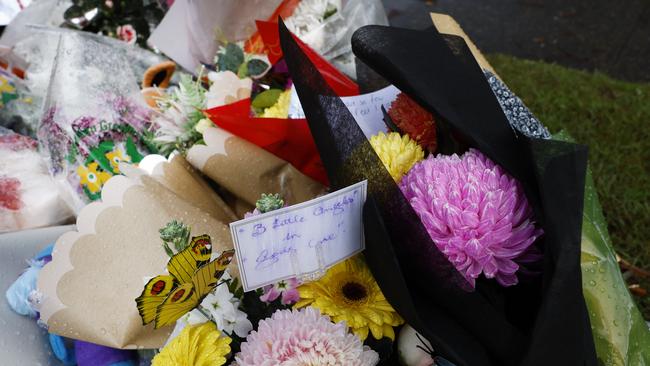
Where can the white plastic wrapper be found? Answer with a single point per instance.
(331, 36)
(29, 197)
(187, 33)
(33, 36)
(94, 117)
(41, 12)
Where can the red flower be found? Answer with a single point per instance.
(126, 33)
(414, 121)
(9, 194)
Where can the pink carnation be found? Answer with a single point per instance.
(303, 337)
(476, 214)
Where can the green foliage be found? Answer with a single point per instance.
(232, 58)
(610, 116)
(229, 58)
(175, 233)
(269, 202)
(256, 67)
(331, 10)
(266, 98)
(190, 92)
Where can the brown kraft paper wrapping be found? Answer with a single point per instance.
(247, 170)
(89, 288)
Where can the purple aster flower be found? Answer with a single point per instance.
(475, 213)
(286, 289)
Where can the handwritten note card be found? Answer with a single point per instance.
(366, 108)
(300, 240)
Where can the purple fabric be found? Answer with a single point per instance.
(89, 354)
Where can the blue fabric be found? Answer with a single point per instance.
(64, 354)
(18, 293)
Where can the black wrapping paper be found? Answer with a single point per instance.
(542, 320)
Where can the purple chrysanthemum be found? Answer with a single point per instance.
(475, 212)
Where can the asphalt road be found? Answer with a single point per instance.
(605, 35)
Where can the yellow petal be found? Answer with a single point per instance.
(389, 332)
(196, 345)
(361, 332)
(376, 330)
(302, 303)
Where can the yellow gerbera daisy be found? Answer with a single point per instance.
(349, 293)
(196, 345)
(91, 178)
(115, 157)
(398, 153)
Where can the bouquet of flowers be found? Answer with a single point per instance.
(477, 247)
(94, 117)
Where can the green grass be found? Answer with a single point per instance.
(612, 117)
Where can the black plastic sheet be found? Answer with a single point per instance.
(540, 321)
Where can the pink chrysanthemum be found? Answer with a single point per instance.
(303, 337)
(476, 213)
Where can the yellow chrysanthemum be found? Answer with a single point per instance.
(196, 345)
(91, 178)
(281, 108)
(115, 157)
(349, 293)
(398, 153)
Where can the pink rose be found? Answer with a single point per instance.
(126, 33)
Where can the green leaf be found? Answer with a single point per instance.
(266, 98)
(242, 71)
(168, 250)
(256, 67)
(190, 93)
(230, 58)
(331, 10)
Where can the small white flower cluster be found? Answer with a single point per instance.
(223, 308)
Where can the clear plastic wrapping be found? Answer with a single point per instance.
(93, 117)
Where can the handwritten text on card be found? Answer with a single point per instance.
(365, 108)
(300, 240)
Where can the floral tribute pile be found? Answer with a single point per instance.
(472, 223)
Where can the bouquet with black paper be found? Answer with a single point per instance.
(476, 246)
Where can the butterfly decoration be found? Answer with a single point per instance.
(191, 278)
